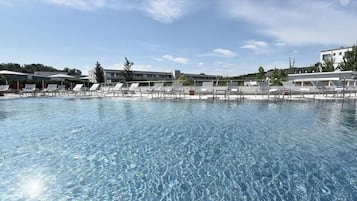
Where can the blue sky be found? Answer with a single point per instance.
(225, 37)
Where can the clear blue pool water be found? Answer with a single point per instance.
(113, 149)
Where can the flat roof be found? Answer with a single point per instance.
(139, 71)
(341, 48)
(323, 73)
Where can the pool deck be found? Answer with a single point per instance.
(306, 97)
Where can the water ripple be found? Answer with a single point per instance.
(109, 149)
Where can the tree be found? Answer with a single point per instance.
(73, 71)
(327, 66)
(99, 73)
(261, 73)
(276, 77)
(187, 81)
(127, 72)
(283, 75)
(27, 68)
(350, 60)
(2, 79)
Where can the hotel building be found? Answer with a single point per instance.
(336, 55)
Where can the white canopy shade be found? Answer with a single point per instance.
(7, 72)
(61, 76)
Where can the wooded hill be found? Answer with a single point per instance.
(31, 68)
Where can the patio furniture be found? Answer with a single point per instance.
(206, 89)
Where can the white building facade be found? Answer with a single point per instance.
(115, 75)
(336, 55)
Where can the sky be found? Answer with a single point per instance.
(220, 37)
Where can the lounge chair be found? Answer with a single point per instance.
(207, 88)
(158, 89)
(232, 88)
(320, 87)
(117, 88)
(352, 87)
(175, 89)
(51, 88)
(3, 89)
(94, 89)
(290, 88)
(133, 88)
(77, 89)
(336, 87)
(29, 88)
(264, 88)
(62, 89)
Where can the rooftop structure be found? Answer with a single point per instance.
(337, 75)
(336, 55)
(114, 75)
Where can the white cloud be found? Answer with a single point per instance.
(259, 47)
(157, 59)
(180, 60)
(218, 52)
(298, 22)
(164, 11)
(224, 52)
(345, 2)
(167, 11)
(254, 44)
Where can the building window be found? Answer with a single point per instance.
(340, 53)
(326, 57)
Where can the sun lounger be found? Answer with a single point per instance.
(158, 89)
(133, 88)
(207, 88)
(29, 89)
(264, 88)
(175, 89)
(319, 88)
(290, 88)
(77, 89)
(4, 88)
(94, 89)
(233, 89)
(336, 87)
(117, 88)
(352, 87)
(51, 88)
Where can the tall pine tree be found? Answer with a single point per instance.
(127, 72)
(350, 60)
(99, 73)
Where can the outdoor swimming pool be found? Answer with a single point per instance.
(115, 149)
